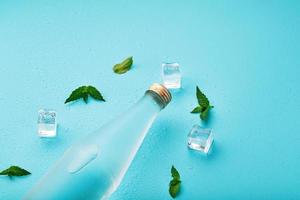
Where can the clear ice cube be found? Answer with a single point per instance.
(200, 139)
(171, 75)
(47, 123)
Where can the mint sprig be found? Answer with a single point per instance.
(84, 92)
(124, 66)
(204, 105)
(15, 171)
(174, 185)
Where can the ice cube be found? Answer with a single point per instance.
(47, 123)
(200, 139)
(171, 75)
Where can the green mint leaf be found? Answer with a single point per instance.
(93, 92)
(174, 182)
(198, 109)
(202, 99)
(174, 188)
(204, 105)
(85, 97)
(124, 66)
(204, 114)
(175, 173)
(15, 171)
(78, 93)
(84, 92)
(174, 185)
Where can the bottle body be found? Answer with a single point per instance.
(94, 167)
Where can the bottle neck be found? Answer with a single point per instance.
(147, 107)
(153, 97)
(160, 94)
(157, 100)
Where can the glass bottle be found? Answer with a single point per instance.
(93, 167)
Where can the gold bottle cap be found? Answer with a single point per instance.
(162, 92)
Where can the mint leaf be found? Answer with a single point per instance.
(198, 109)
(204, 114)
(204, 105)
(15, 171)
(175, 173)
(124, 66)
(78, 93)
(174, 185)
(84, 92)
(202, 99)
(93, 92)
(174, 188)
(85, 97)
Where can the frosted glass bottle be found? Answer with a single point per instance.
(93, 168)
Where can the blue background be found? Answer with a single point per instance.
(243, 54)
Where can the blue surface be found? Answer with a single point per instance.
(243, 54)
